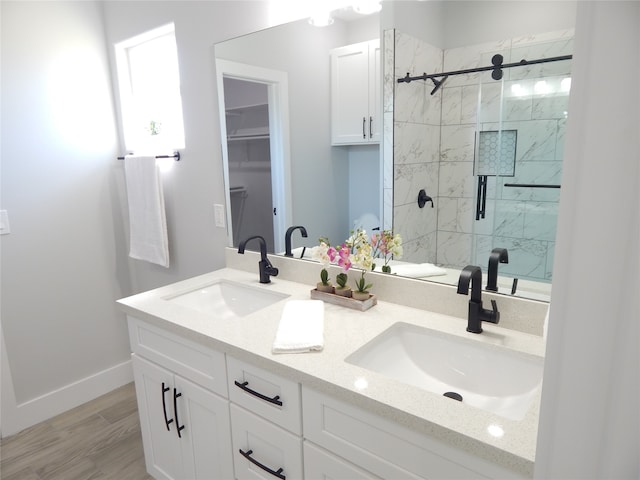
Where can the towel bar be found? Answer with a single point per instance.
(175, 155)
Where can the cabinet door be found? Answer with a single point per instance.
(206, 436)
(375, 91)
(350, 94)
(154, 390)
(319, 464)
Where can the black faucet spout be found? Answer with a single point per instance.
(498, 255)
(265, 268)
(287, 238)
(471, 274)
(477, 314)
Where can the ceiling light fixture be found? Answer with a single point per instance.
(367, 7)
(321, 17)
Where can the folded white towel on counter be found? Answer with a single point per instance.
(418, 270)
(147, 220)
(301, 327)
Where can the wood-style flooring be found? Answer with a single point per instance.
(99, 440)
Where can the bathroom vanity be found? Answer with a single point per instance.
(215, 402)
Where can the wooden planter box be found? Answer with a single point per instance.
(352, 303)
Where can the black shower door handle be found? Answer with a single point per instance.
(481, 200)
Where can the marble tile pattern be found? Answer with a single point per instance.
(436, 136)
(388, 85)
(416, 153)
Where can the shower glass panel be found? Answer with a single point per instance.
(520, 127)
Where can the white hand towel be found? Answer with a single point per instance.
(147, 219)
(301, 327)
(418, 270)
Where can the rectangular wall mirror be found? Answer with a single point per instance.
(488, 152)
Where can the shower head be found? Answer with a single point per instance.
(438, 83)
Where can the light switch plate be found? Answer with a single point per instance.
(4, 223)
(218, 211)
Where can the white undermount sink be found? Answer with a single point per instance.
(227, 299)
(488, 377)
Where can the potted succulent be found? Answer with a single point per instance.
(362, 288)
(324, 285)
(342, 289)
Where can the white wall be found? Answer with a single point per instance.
(470, 21)
(302, 51)
(589, 420)
(66, 261)
(196, 182)
(64, 264)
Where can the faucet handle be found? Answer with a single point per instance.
(495, 314)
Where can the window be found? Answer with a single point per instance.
(149, 83)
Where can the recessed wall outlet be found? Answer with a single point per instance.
(218, 211)
(4, 222)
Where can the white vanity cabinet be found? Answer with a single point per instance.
(266, 423)
(185, 425)
(375, 447)
(356, 95)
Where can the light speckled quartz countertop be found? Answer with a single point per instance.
(250, 339)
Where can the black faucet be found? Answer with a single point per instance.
(287, 238)
(264, 265)
(477, 314)
(498, 255)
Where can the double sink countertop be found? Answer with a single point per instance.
(250, 338)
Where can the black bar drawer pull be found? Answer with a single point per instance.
(275, 473)
(167, 421)
(275, 400)
(364, 122)
(175, 411)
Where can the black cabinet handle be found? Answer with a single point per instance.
(167, 421)
(275, 400)
(370, 127)
(175, 411)
(364, 123)
(275, 473)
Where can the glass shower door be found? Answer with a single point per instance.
(521, 122)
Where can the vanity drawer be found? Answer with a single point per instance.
(266, 394)
(261, 449)
(319, 463)
(191, 360)
(385, 448)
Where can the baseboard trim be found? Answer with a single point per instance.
(18, 417)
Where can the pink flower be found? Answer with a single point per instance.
(344, 257)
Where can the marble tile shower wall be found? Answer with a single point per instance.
(433, 141)
(416, 148)
(532, 100)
